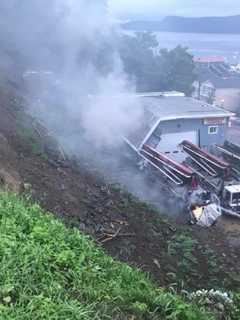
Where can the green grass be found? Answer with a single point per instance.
(49, 272)
(31, 140)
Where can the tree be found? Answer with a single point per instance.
(177, 69)
(155, 70)
(138, 58)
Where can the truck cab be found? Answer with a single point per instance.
(231, 199)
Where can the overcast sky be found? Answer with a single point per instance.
(157, 8)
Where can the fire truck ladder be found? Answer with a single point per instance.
(229, 153)
(209, 163)
(175, 172)
(232, 152)
(230, 149)
(205, 181)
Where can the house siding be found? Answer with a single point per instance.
(205, 140)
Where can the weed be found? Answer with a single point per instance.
(32, 141)
(49, 272)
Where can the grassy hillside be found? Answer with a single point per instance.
(50, 272)
(176, 255)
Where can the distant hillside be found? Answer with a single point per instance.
(229, 24)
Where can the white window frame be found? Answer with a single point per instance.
(213, 127)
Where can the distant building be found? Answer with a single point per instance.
(204, 90)
(217, 83)
(168, 120)
(207, 61)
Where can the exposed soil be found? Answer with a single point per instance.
(132, 231)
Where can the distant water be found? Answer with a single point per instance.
(227, 45)
(201, 44)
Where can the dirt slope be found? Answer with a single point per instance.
(30, 162)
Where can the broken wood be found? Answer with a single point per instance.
(156, 262)
(121, 222)
(171, 228)
(37, 131)
(126, 235)
(108, 237)
(105, 237)
(63, 154)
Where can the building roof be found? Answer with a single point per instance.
(168, 108)
(161, 94)
(209, 59)
(158, 109)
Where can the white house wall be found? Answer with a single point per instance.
(183, 127)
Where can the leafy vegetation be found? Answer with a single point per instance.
(51, 272)
(31, 141)
(154, 69)
(198, 262)
(223, 305)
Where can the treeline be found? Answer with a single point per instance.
(155, 69)
(147, 66)
(229, 25)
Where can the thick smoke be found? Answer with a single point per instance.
(66, 52)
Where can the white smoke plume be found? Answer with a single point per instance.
(66, 52)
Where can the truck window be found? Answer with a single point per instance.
(236, 197)
(227, 196)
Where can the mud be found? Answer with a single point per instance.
(137, 233)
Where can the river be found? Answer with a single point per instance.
(203, 44)
(227, 45)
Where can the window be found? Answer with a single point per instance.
(227, 196)
(205, 91)
(213, 130)
(236, 197)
